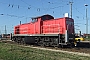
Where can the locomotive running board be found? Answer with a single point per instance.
(35, 35)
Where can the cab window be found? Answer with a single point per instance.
(34, 20)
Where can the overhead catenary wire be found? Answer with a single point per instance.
(78, 11)
(14, 5)
(39, 9)
(30, 6)
(15, 16)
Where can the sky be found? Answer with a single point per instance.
(14, 11)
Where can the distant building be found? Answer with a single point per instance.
(5, 35)
(86, 35)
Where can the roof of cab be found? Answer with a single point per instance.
(42, 16)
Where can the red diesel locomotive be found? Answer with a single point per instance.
(46, 31)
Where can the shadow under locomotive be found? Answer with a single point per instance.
(83, 44)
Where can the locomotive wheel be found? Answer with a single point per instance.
(43, 45)
(60, 46)
(23, 41)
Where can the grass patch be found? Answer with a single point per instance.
(87, 39)
(15, 52)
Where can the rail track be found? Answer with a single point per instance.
(83, 47)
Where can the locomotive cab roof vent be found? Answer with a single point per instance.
(66, 15)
